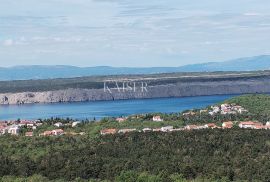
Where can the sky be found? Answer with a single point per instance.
(133, 33)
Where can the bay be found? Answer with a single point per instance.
(100, 109)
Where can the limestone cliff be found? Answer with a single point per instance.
(179, 89)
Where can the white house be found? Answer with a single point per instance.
(13, 130)
(57, 132)
(75, 123)
(58, 124)
(167, 128)
(126, 130)
(157, 118)
(250, 124)
(147, 130)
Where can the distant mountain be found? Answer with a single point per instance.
(45, 72)
(242, 64)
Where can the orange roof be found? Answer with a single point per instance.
(47, 132)
(211, 125)
(228, 123)
(260, 127)
(248, 123)
(192, 126)
(26, 122)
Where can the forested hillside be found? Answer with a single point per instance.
(211, 154)
(207, 155)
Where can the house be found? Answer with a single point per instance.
(191, 113)
(167, 128)
(57, 132)
(46, 133)
(58, 124)
(157, 129)
(179, 129)
(75, 123)
(227, 125)
(242, 110)
(3, 129)
(203, 111)
(39, 124)
(4, 124)
(215, 110)
(120, 120)
(108, 131)
(157, 118)
(250, 124)
(147, 130)
(13, 129)
(224, 106)
(27, 123)
(191, 127)
(126, 130)
(210, 125)
(29, 134)
(259, 127)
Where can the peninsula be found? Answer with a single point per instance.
(96, 88)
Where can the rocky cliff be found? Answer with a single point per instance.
(179, 89)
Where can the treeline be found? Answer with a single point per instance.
(217, 155)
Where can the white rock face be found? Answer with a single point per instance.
(170, 90)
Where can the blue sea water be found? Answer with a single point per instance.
(100, 109)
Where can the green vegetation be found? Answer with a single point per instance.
(212, 155)
(257, 104)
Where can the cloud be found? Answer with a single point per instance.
(8, 42)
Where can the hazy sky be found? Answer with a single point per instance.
(131, 32)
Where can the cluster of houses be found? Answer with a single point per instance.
(225, 125)
(15, 128)
(227, 109)
(123, 131)
(123, 119)
(221, 109)
(56, 132)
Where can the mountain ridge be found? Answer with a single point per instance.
(24, 72)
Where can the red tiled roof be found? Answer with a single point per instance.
(248, 123)
(211, 125)
(228, 123)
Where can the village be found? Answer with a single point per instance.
(223, 109)
(15, 128)
(225, 125)
(29, 127)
